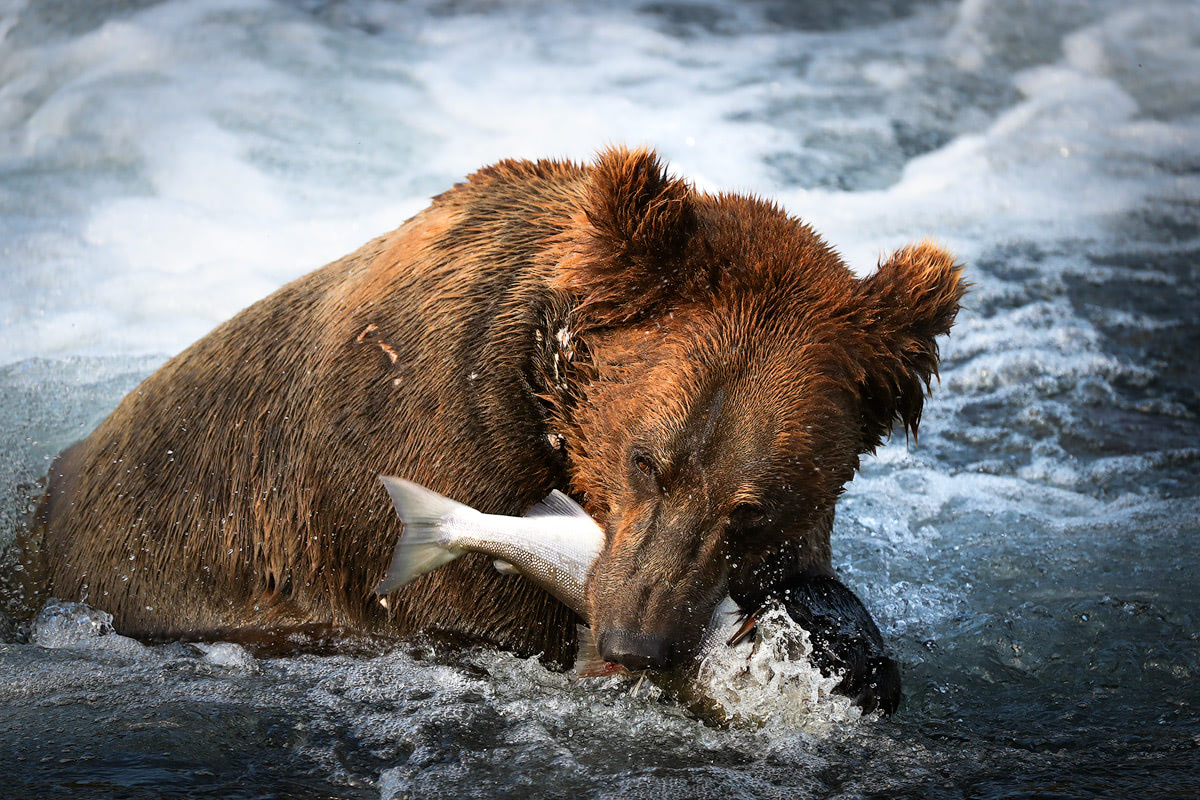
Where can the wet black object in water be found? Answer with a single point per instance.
(844, 639)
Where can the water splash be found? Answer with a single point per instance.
(771, 682)
(63, 624)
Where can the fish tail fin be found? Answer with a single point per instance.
(588, 661)
(421, 547)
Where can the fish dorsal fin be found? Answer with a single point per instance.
(557, 504)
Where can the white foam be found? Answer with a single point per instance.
(772, 683)
(1049, 167)
(222, 168)
(225, 654)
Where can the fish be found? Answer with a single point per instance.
(553, 545)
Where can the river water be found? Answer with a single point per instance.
(1034, 558)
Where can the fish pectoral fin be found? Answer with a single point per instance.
(505, 568)
(557, 504)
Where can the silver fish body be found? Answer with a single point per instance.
(553, 545)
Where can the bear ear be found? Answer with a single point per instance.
(628, 245)
(910, 300)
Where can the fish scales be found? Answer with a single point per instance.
(553, 553)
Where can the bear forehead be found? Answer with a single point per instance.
(744, 431)
(754, 250)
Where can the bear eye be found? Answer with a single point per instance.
(751, 514)
(644, 466)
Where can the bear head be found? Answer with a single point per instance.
(737, 370)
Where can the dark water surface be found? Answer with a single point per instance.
(1035, 559)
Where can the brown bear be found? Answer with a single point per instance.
(701, 371)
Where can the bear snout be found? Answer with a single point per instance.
(652, 590)
(634, 650)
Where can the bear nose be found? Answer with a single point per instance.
(633, 650)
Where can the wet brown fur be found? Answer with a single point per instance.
(531, 330)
